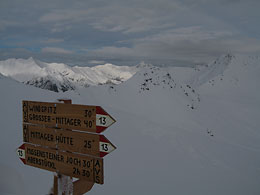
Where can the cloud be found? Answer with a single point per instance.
(55, 50)
(191, 44)
(96, 62)
(165, 29)
(4, 24)
(112, 52)
(133, 19)
(117, 16)
(52, 41)
(64, 15)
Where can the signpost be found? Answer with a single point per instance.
(75, 165)
(72, 141)
(53, 144)
(67, 116)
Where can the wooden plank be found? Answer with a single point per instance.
(75, 165)
(72, 141)
(70, 116)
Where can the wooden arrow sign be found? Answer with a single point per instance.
(67, 116)
(67, 140)
(70, 164)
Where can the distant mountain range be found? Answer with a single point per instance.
(61, 77)
(183, 81)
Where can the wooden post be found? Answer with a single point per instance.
(55, 185)
(65, 101)
(60, 176)
(80, 186)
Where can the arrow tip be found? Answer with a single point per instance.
(105, 146)
(21, 153)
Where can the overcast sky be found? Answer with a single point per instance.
(185, 30)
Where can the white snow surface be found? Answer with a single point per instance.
(178, 131)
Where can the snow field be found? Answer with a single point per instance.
(163, 145)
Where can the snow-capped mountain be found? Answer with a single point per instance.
(178, 131)
(60, 77)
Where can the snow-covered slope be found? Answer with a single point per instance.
(1, 76)
(214, 69)
(163, 145)
(60, 77)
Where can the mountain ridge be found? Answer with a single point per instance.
(61, 77)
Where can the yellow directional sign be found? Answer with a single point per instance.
(67, 140)
(55, 141)
(74, 165)
(70, 116)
